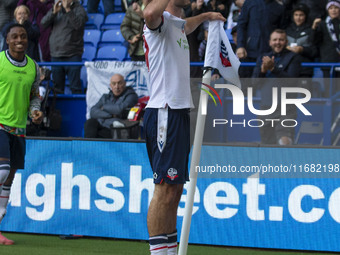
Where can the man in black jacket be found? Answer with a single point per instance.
(110, 108)
(279, 63)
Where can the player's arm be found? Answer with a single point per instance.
(34, 109)
(193, 22)
(153, 13)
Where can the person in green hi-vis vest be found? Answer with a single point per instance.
(19, 97)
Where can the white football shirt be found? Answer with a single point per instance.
(167, 57)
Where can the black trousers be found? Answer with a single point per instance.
(93, 129)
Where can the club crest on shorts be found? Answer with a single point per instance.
(172, 174)
(155, 175)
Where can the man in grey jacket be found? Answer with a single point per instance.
(67, 18)
(109, 108)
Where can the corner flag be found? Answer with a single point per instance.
(220, 55)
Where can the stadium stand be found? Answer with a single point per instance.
(113, 21)
(118, 6)
(95, 20)
(113, 36)
(111, 52)
(314, 128)
(89, 53)
(92, 37)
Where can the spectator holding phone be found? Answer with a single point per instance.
(67, 19)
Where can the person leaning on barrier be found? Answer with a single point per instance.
(275, 67)
(109, 108)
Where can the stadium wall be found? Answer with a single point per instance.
(102, 188)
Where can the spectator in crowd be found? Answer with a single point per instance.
(110, 107)
(234, 36)
(258, 18)
(316, 7)
(6, 15)
(278, 63)
(67, 19)
(203, 44)
(21, 16)
(276, 14)
(233, 15)
(132, 29)
(194, 39)
(300, 38)
(221, 6)
(21, 100)
(39, 9)
(326, 38)
(109, 6)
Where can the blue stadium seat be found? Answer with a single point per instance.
(92, 37)
(111, 52)
(84, 3)
(113, 21)
(95, 20)
(89, 53)
(113, 36)
(83, 77)
(118, 6)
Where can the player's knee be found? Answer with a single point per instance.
(168, 193)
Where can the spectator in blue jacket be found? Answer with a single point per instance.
(258, 18)
(276, 66)
(110, 107)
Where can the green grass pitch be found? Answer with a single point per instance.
(26, 244)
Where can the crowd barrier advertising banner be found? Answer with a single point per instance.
(98, 188)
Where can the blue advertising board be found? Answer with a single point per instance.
(98, 188)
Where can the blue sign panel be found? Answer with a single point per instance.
(103, 189)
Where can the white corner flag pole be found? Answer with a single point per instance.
(195, 159)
